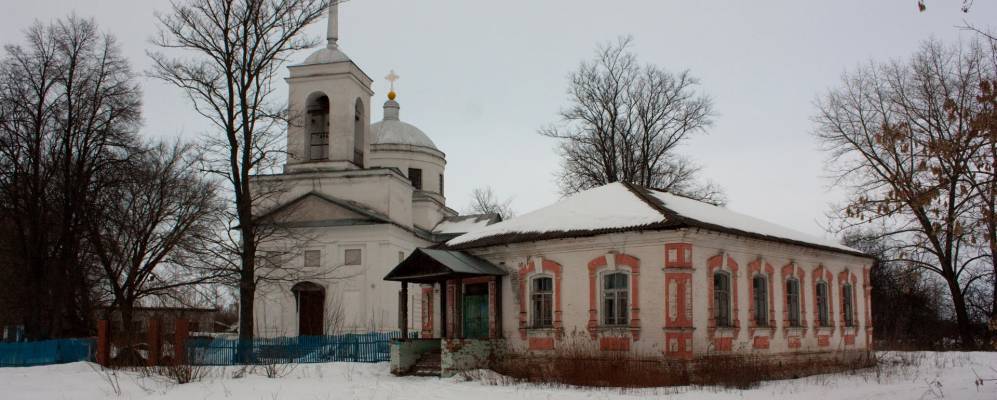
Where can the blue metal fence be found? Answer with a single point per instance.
(354, 347)
(58, 351)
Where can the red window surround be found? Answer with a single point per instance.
(792, 270)
(713, 264)
(755, 268)
(625, 262)
(823, 333)
(526, 272)
(847, 334)
(678, 301)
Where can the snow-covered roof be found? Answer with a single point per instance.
(465, 223)
(620, 207)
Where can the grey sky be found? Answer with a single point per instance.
(480, 78)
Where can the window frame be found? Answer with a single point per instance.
(761, 299)
(620, 298)
(793, 302)
(847, 304)
(346, 258)
(540, 300)
(318, 258)
(722, 309)
(823, 303)
(415, 178)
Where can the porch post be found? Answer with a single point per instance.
(493, 306)
(403, 310)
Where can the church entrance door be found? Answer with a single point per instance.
(311, 308)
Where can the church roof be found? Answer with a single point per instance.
(392, 130)
(619, 207)
(461, 224)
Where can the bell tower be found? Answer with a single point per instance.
(329, 109)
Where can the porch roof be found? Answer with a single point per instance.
(433, 265)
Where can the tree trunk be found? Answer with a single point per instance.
(247, 280)
(962, 317)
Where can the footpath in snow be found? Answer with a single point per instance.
(949, 375)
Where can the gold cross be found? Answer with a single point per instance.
(392, 78)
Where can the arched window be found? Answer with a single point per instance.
(721, 298)
(822, 304)
(358, 136)
(793, 301)
(318, 127)
(310, 301)
(542, 302)
(761, 296)
(846, 304)
(615, 295)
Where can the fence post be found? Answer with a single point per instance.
(103, 342)
(180, 341)
(155, 341)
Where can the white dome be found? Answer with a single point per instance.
(326, 55)
(391, 130)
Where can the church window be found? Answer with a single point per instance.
(760, 289)
(846, 304)
(441, 184)
(415, 176)
(358, 137)
(352, 257)
(542, 300)
(793, 301)
(822, 312)
(313, 258)
(721, 298)
(615, 296)
(318, 128)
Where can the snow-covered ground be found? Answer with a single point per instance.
(934, 375)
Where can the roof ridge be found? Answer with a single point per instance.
(651, 201)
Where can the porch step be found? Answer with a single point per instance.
(429, 364)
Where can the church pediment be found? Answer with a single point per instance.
(314, 207)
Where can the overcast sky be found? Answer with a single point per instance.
(480, 77)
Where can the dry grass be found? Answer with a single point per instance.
(579, 363)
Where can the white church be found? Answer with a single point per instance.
(354, 199)
(629, 269)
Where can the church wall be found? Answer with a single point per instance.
(432, 166)
(367, 303)
(381, 190)
(644, 254)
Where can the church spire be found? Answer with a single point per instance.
(333, 30)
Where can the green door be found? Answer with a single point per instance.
(475, 316)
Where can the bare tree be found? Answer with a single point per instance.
(230, 53)
(69, 107)
(624, 123)
(485, 201)
(149, 236)
(900, 136)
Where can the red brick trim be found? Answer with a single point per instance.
(678, 301)
(792, 270)
(526, 272)
(614, 343)
(427, 312)
(630, 263)
(713, 264)
(755, 268)
(493, 298)
(541, 343)
(760, 343)
(678, 255)
(844, 277)
(820, 273)
(452, 313)
(867, 285)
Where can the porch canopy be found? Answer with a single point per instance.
(432, 266)
(469, 292)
